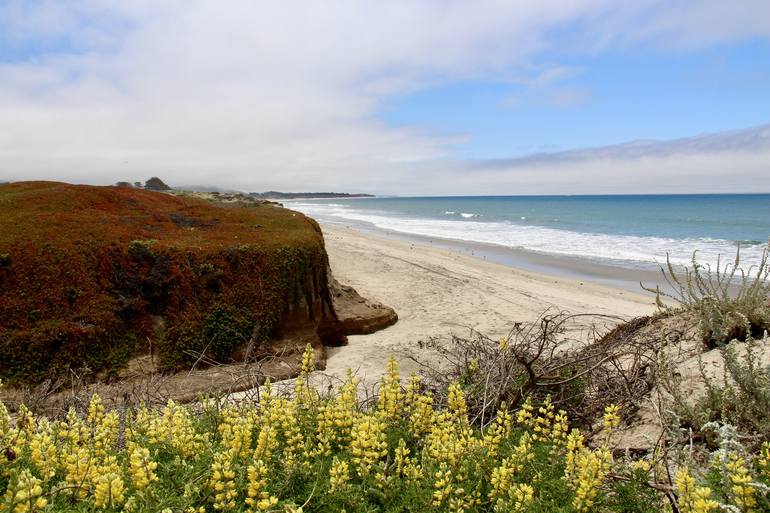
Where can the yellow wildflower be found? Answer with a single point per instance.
(692, 498)
(456, 403)
(259, 499)
(611, 419)
(43, 450)
(391, 397)
(222, 482)
(442, 485)
(591, 469)
(764, 460)
(419, 407)
(743, 493)
(498, 431)
(142, 467)
(368, 443)
(339, 474)
(25, 496)
(525, 416)
(108, 490)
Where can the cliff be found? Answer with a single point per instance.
(93, 276)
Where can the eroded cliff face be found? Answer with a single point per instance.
(91, 277)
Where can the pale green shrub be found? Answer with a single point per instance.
(728, 301)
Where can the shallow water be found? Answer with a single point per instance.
(628, 231)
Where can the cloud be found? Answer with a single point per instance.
(733, 161)
(283, 95)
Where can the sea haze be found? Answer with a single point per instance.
(628, 231)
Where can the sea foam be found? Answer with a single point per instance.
(621, 249)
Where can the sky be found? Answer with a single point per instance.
(406, 97)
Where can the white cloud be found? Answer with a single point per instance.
(735, 161)
(284, 95)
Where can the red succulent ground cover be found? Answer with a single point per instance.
(89, 274)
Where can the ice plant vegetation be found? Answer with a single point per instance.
(311, 452)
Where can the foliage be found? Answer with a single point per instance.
(729, 302)
(543, 358)
(86, 272)
(741, 398)
(316, 453)
(156, 184)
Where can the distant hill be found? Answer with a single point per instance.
(307, 195)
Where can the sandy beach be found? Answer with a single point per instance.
(438, 292)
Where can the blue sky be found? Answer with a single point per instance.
(598, 100)
(396, 97)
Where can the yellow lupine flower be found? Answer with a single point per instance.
(267, 441)
(692, 498)
(743, 493)
(611, 419)
(542, 423)
(591, 469)
(442, 485)
(236, 429)
(339, 474)
(498, 431)
(304, 394)
(335, 418)
(575, 445)
(104, 434)
(222, 482)
(25, 495)
(308, 360)
(764, 460)
(560, 427)
(43, 450)
(108, 490)
(284, 415)
(391, 397)
(523, 453)
(525, 417)
(419, 407)
(80, 469)
(180, 431)
(456, 403)
(516, 498)
(142, 467)
(368, 444)
(259, 499)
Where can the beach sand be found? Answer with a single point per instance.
(437, 292)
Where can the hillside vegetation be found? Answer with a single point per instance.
(90, 276)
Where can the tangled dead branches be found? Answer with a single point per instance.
(576, 359)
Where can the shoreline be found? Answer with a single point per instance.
(438, 292)
(561, 266)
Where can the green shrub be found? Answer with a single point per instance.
(741, 398)
(224, 329)
(728, 301)
(211, 340)
(141, 249)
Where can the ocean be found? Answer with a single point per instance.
(634, 231)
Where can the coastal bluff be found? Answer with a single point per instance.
(95, 278)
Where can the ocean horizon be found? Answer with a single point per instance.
(630, 231)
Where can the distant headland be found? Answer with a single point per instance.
(156, 184)
(307, 195)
